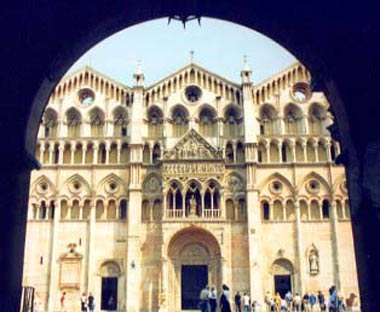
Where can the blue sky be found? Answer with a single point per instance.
(218, 46)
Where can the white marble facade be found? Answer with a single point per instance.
(234, 181)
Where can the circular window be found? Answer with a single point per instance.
(313, 186)
(42, 188)
(86, 97)
(76, 185)
(301, 92)
(193, 93)
(276, 187)
(113, 186)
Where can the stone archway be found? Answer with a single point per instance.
(191, 247)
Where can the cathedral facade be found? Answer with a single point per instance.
(147, 194)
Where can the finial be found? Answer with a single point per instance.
(191, 56)
(246, 66)
(138, 70)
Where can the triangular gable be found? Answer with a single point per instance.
(192, 146)
(187, 69)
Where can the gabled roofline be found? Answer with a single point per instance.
(194, 65)
(95, 72)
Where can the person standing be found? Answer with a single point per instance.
(289, 300)
(277, 301)
(91, 302)
(224, 300)
(237, 302)
(203, 296)
(306, 302)
(297, 303)
(333, 300)
(321, 301)
(246, 301)
(267, 301)
(212, 298)
(313, 302)
(62, 300)
(83, 302)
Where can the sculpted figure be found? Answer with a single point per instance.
(193, 206)
(313, 262)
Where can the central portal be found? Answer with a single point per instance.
(194, 278)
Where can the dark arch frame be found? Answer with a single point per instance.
(35, 65)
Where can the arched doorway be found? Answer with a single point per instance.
(283, 276)
(110, 290)
(194, 261)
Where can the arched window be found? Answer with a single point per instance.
(240, 153)
(274, 152)
(123, 209)
(43, 210)
(289, 207)
(97, 122)
(278, 211)
(146, 154)
(99, 210)
(111, 210)
(51, 209)
(339, 210)
(156, 156)
(325, 209)
(322, 153)
(75, 210)
(180, 122)
(74, 122)
(229, 153)
(317, 119)
(230, 209)
(304, 211)
(265, 211)
(155, 122)
(262, 153)
(232, 119)
(120, 118)
(314, 210)
(86, 210)
(145, 211)
(300, 157)
(174, 196)
(207, 122)
(50, 123)
(64, 209)
(293, 119)
(102, 154)
(268, 120)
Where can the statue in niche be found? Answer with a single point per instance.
(314, 262)
(193, 206)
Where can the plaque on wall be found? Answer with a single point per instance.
(70, 269)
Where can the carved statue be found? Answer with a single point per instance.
(193, 206)
(314, 263)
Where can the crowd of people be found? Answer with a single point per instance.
(309, 302)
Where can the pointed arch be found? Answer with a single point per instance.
(316, 176)
(111, 184)
(69, 186)
(277, 177)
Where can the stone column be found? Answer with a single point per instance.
(90, 248)
(299, 263)
(254, 241)
(72, 150)
(51, 151)
(54, 266)
(61, 149)
(108, 149)
(84, 150)
(42, 151)
(304, 149)
(335, 245)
